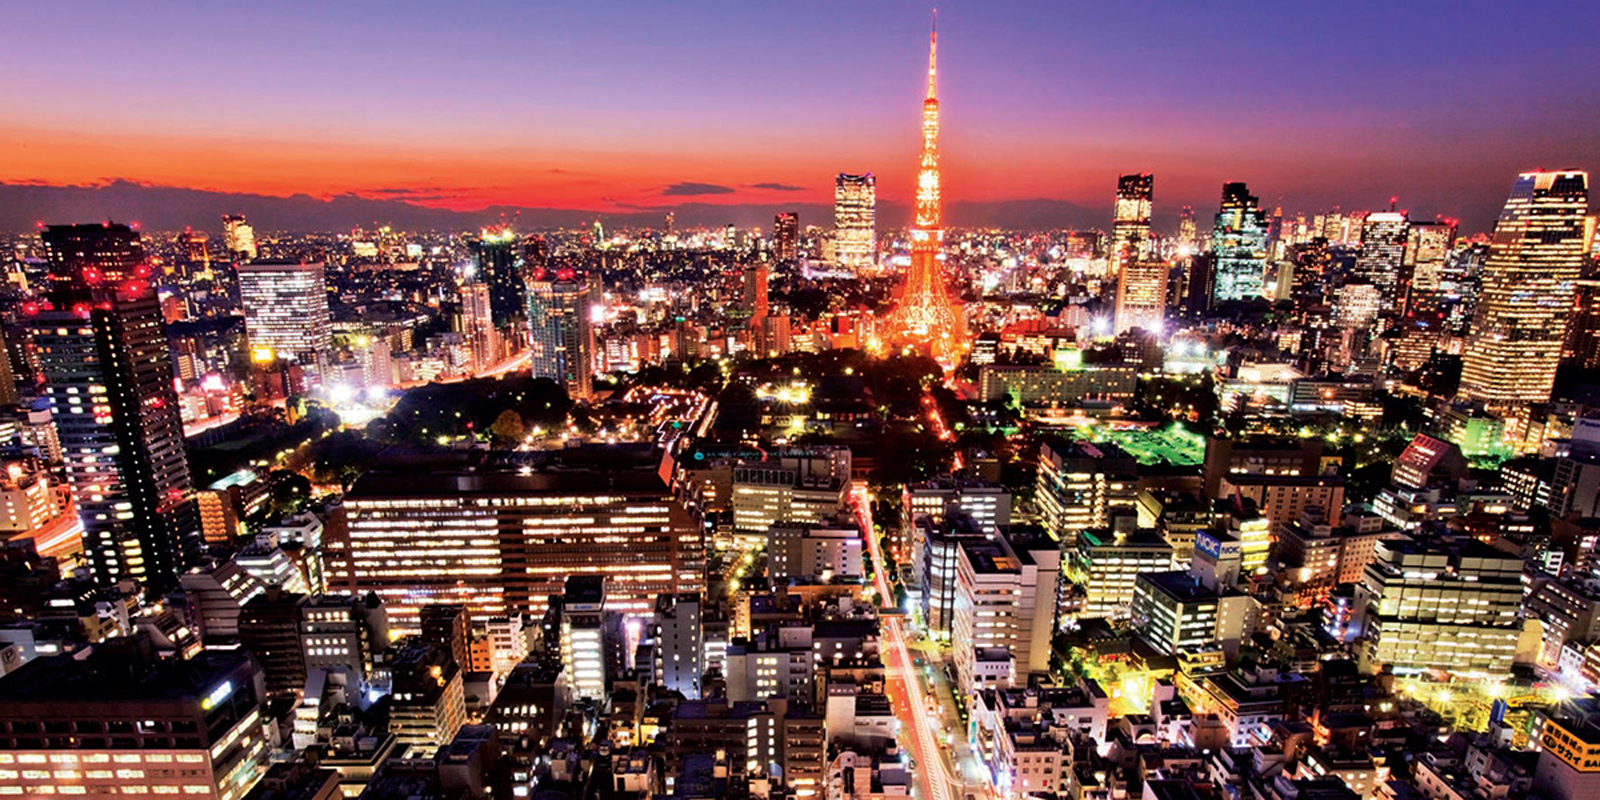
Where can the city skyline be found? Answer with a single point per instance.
(638, 114)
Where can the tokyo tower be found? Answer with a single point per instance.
(926, 318)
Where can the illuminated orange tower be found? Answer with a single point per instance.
(926, 317)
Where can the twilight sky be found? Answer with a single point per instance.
(615, 105)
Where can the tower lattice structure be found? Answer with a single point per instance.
(926, 317)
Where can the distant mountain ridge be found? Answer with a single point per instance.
(169, 208)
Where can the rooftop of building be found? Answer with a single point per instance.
(1183, 586)
(113, 677)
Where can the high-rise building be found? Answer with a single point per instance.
(500, 265)
(1427, 248)
(1239, 244)
(855, 225)
(1188, 234)
(925, 316)
(1006, 588)
(476, 322)
(1528, 284)
(515, 538)
(238, 236)
(172, 727)
(582, 621)
(1142, 296)
(103, 353)
(1383, 244)
(1450, 606)
(680, 652)
(285, 310)
(786, 237)
(1130, 222)
(562, 333)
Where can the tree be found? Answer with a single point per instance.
(508, 428)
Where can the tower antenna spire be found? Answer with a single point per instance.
(933, 55)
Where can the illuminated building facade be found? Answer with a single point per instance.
(1378, 262)
(1528, 285)
(562, 333)
(103, 352)
(1130, 222)
(1451, 607)
(501, 543)
(476, 322)
(1142, 296)
(1423, 265)
(1083, 485)
(1239, 245)
(926, 317)
(583, 657)
(110, 727)
(855, 221)
(238, 237)
(285, 310)
(786, 237)
(1006, 588)
(499, 264)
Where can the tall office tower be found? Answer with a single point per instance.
(8, 379)
(1449, 606)
(1583, 330)
(476, 322)
(1188, 234)
(1422, 267)
(501, 266)
(171, 727)
(1142, 297)
(1529, 280)
(103, 354)
(1006, 589)
(786, 237)
(285, 310)
(855, 220)
(754, 290)
(196, 249)
(680, 651)
(925, 316)
(1239, 244)
(562, 332)
(1130, 222)
(517, 536)
(238, 236)
(1383, 244)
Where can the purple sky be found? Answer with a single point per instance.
(614, 105)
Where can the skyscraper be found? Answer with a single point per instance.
(926, 317)
(855, 214)
(1141, 282)
(1422, 266)
(1239, 243)
(108, 374)
(562, 335)
(1383, 245)
(500, 266)
(238, 236)
(1130, 224)
(1529, 279)
(1142, 296)
(285, 310)
(476, 322)
(786, 237)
